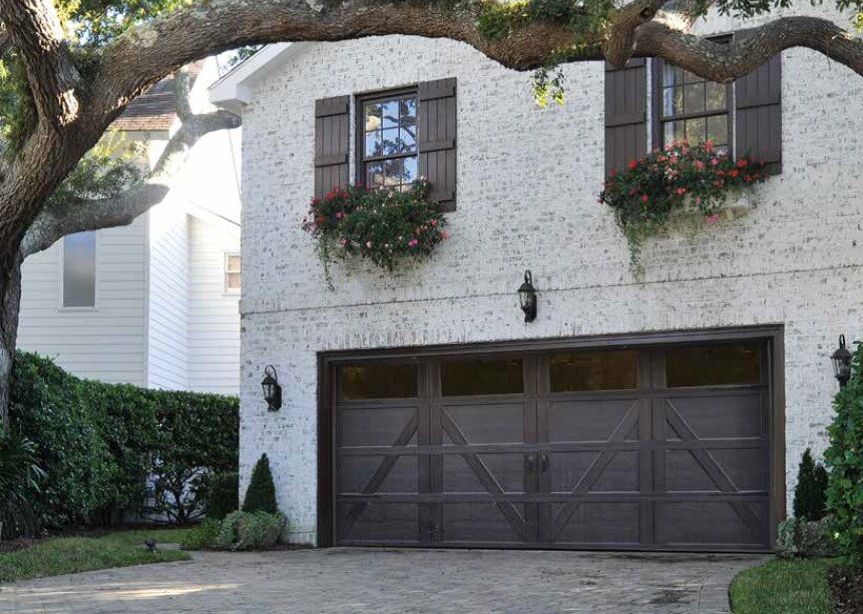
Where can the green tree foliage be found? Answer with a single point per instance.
(261, 494)
(224, 496)
(810, 494)
(844, 459)
(21, 479)
(107, 170)
(100, 444)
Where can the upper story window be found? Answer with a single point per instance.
(693, 108)
(399, 136)
(650, 103)
(79, 270)
(388, 152)
(233, 273)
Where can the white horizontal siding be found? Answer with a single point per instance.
(169, 296)
(106, 343)
(214, 319)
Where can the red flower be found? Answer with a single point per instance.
(644, 198)
(681, 191)
(612, 174)
(742, 162)
(633, 164)
(733, 172)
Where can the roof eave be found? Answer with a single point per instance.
(232, 91)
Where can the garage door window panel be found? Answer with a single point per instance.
(381, 381)
(482, 377)
(588, 371)
(716, 365)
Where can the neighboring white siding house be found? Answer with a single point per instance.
(156, 308)
(527, 187)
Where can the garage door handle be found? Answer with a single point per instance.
(543, 462)
(529, 460)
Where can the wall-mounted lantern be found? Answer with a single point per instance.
(272, 389)
(841, 359)
(527, 297)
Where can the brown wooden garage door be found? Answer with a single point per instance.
(633, 448)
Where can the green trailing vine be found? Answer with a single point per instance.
(680, 177)
(384, 226)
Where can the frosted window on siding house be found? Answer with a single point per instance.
(79, 270)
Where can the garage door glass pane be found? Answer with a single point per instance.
(379, 381)
(482, 377)
(594, 371)
(718, 365)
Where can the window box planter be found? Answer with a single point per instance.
(386, 226)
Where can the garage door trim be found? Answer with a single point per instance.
(329, 361)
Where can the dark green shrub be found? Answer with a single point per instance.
(202, 536)
(224, 495)
(844, 459)
(249, 531)
(100, 444)
(261, 494)
(798, 537)
(199, 435)
(21, 478)
(48, 407)
(810, 494)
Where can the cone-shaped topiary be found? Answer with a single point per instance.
(261, 494)
(810, 497)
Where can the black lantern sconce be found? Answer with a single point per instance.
(272, 389)
(841, 359)
(527, 297)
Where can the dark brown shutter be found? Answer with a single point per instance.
(437, 139)
(625, 114)
(332, 144)
(758, 98)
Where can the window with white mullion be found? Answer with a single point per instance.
(233, 273)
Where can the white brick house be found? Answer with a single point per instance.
(150, 304)
(534, 465)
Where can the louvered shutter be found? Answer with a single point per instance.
(332, 144)
(436, 116)
(625, 114)
(758, 99)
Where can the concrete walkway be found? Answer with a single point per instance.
(350, 581)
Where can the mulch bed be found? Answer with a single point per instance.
(847, 587)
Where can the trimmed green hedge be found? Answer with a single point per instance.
(844, 460)
(99, 443)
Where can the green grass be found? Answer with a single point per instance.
(783, 587)
(63, 555)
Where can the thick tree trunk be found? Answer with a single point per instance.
(10, 302)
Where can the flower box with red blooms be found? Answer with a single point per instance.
(680, 177)
(383, 225)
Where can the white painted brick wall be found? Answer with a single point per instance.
(527, 186)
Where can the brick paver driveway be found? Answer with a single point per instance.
(350, 581)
